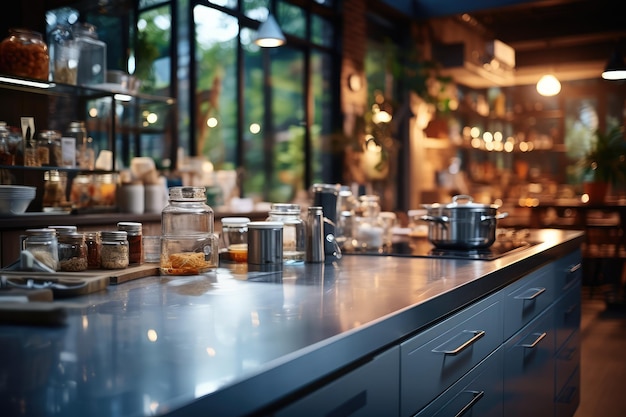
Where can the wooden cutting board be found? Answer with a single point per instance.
(132, 272)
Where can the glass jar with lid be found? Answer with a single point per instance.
(43, 245)
(369, 227)
(72, 252)
(49, 148)
(189, 245)
(294, 230)
(135, 240)
(55, 183)
(235, 238)
(24, 54)
(114, 249)
(94, 245)
(92, 55)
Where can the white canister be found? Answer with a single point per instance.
(154, 197)
(130, 198)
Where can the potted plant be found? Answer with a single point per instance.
(605, 163)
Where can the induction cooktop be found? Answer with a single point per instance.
(422, 248)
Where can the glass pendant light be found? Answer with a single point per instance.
(269, 34)
(548, 85)
(615, 69)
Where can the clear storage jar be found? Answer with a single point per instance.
(294, 230)
(49, 148)
(92, 55)
(43, 245)
(235, 238)
(24, 54)
(368, 226)
(94, 245)
(72, 252)
(135, 241)
(189, 245)
(114, 250)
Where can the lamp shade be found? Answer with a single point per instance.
(269, 34)
(615, 69)
(548, 85)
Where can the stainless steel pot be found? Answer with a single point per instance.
(462, 224)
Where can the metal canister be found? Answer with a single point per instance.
(265, 243)
(315, 235)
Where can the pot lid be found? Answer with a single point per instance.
(461, 202)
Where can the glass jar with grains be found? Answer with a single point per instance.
(72, 252)
(114, 250)
(24, 54)
(188, 244)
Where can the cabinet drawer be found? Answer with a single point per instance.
(436, 358)
(568, 399)
(478, 393)
(568, 271)
(368, 391)
(567, 311)
(529, 369)
(567, 361)
(526, 298)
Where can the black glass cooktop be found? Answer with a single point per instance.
(421, 247)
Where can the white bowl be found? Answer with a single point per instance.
(15, 205)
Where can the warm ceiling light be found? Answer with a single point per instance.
(269, 34)
(615, 69)
(548, 85)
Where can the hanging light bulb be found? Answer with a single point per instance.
(269, 34)
(615, 69)
(548, 85)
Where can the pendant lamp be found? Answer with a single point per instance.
(548, 85)
(269, 34)
(615, 69)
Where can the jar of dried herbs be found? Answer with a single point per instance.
(114, 251)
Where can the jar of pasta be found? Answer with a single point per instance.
(24, 54)
(189, 245)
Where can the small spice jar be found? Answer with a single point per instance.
(43, 245)
(24, 54)
(135, 244)
(114, 251)
(94, 244)
(72, 252)
(235, 237)
(49, 148)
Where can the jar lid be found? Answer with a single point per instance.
(129, 226)
(235, 221)
(190, 193)
(325, 188)
(117, 235)
(265, 225)
(64, 229)
(40, 232)
(71, 237)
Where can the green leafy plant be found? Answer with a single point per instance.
(606, 159)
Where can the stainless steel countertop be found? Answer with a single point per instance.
(234, 341)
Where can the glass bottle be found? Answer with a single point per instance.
(43, 245)
(188, 244)
(85, 155)
(114, 250)
(24, 54)
(92, 58)
(135, 241)
(72, 252)
(294, 230)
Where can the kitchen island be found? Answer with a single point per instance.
(350, 338)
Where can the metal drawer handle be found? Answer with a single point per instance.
(574, 268)
(537, 293)
(476, 396)
(477, 334)
(533, 344)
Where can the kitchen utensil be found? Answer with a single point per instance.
(462, 224)
(60, 288)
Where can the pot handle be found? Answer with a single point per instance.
(466, 198)
(437, 219)
(496, 217)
